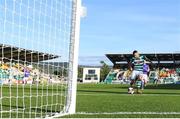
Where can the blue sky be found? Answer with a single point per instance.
(37, 25)
(120, 26)
(111, 26)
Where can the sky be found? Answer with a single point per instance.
(121, 26)
(111, 26)
(38, 25)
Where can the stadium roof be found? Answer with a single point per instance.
(161, 59)
(153, 57)
(15, 53)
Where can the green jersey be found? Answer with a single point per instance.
(138, 63)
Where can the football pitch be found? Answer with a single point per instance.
(93, 101)
(112, 101)
(31, 101)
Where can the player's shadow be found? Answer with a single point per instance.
(159, 86)
(164, 86)
(111, 92)
(100, 91)
(159, 93)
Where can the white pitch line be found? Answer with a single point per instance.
(128, 113)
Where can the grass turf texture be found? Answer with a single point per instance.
(91, 98)
(30, 101)
(100, 98)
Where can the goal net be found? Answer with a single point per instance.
(38, 57)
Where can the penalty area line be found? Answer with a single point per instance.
(129, 113)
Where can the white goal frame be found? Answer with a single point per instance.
(73, 59)
(67, 75)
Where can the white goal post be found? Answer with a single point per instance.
(73, 58)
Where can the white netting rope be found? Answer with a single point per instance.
(34, 52)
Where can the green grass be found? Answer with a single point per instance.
(31, 101)
(100, 98)
(91, 99)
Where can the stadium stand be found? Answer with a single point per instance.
(15, 53)
(168, 65)
(18, 68)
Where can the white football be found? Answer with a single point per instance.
(130, 90)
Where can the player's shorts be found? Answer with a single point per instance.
(135, 74)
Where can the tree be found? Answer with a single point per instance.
(105, 69)
(61, 72)
(80, 72)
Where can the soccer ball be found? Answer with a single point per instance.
(130, 91)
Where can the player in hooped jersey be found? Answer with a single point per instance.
(138, 66)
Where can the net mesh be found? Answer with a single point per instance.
(34, 56)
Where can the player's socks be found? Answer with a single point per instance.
(142, 85)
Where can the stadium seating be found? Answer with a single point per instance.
(16, 75)
(166, 76)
